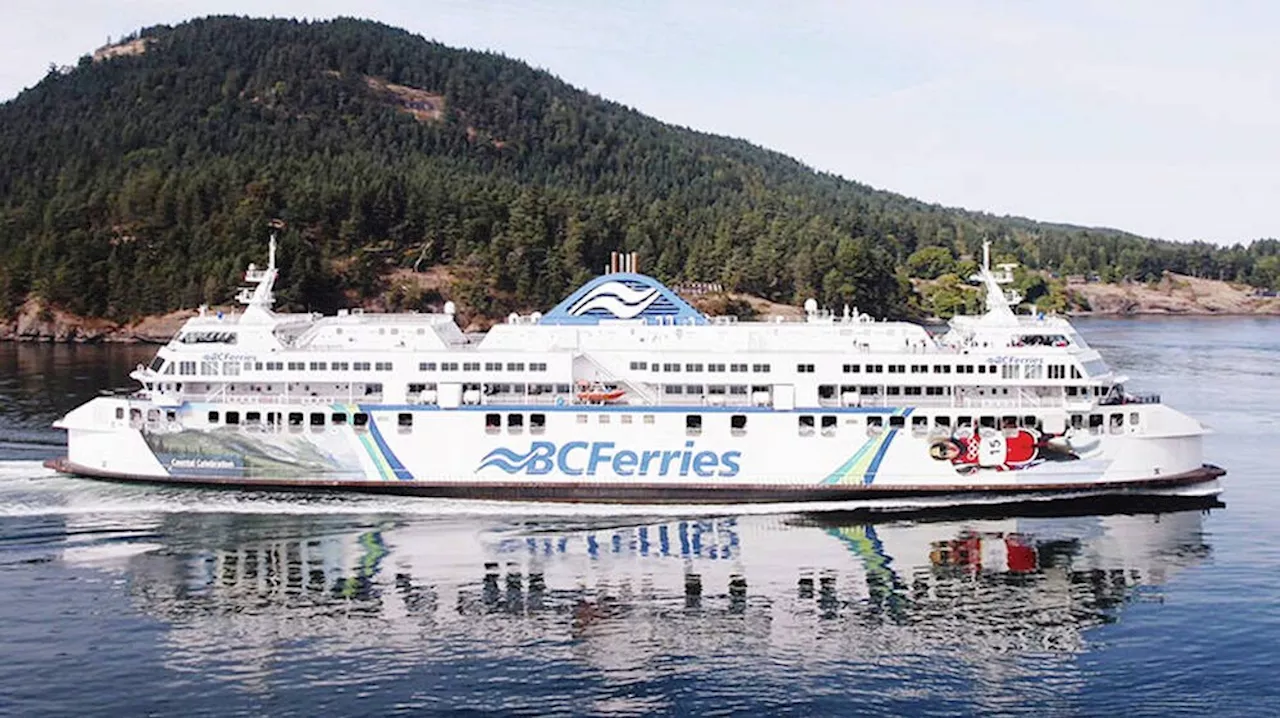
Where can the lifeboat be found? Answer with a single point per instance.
(599, 394)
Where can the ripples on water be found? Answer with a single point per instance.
(128, 600)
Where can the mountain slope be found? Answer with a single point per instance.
(143, 181)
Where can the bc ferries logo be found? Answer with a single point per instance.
(578, 458)
(617, 299)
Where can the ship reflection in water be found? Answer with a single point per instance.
(241, 594)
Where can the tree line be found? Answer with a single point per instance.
(144, 183)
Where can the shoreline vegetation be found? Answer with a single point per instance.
(400, 173)
(1173, 296)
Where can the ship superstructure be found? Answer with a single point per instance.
(625, 392)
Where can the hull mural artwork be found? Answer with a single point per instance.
(972, 450)
(230, 453)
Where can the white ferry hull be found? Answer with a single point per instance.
(630, 454)
(625, 392)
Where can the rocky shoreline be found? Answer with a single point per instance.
(1174, 295)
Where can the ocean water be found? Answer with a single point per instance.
(122, 600)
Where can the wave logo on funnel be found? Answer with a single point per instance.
(616, 299)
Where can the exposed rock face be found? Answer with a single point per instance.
(37, 322)
(1175, 294)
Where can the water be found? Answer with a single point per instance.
(129, 600)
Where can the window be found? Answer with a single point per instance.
(120, 412)
(338, 418)
(404, 420)
(671, 367)
(187, 367)
(360, 366)
(738, 424)
(493, 366)
(626, 418)
(852, 368)
(297, 366)
(693, 367)
(911, 390)
(804, 368)
(761, 368)
(295, 418)
(805, 425)
(739, 368)
(1075, 373)
(537, 366)
(317, 419)
(1117, 423)
(253, 417)
(340, 366)
(875, 425)
(213, 416)
(919, 425)
(1134, 418)
(897, 368)
(382, 366)
(449, 366)
(1057, 371)
(537, 423)
(829, 425)
(360, 420)
(582, 418)
(639, 365)
(672, 389)
(426, 366)
(492, 423)
(920, 368)
(693, 425)
(897, 422)
(715, 367)
(318, 366)
(471, 366)
(603, 419)
(648, 418)
(233, 418)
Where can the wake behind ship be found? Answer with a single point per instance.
(624, 392)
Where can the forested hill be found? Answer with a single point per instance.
(143, 179)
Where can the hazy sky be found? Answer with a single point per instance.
(1161, 117)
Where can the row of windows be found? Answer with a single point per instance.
(475, 366)
(807, 424)
(695, 367)
(188, 368)
(1007, 371)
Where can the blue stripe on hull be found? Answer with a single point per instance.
(397, 468)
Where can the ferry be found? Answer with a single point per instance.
(624, 392)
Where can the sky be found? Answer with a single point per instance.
(1160, 117)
